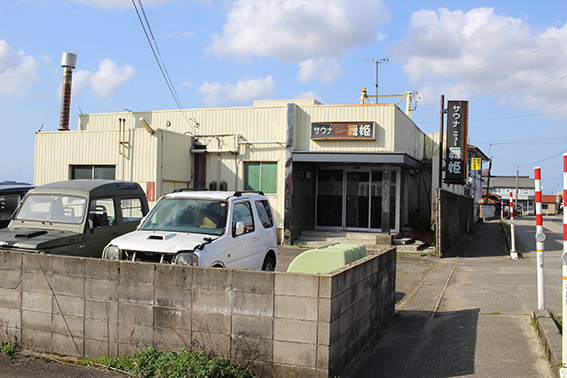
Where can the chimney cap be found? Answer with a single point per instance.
(69, 60)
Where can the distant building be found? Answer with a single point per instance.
(503, 185)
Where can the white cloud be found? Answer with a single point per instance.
(178, 34)
(186, 84)
(297, 30)
(325, 70)
(17, 70)
(116, 4)
(227, 94)
(107, 79)
(480, 52)
(309, 95)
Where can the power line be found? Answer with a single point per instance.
(159, 60)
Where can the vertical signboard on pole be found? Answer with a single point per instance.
(456, 152)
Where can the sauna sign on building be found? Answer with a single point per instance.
(456, 153)
(343, 131)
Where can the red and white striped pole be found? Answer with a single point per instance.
(513, 253)
(540, 239)
(564, 258)
(502, 210)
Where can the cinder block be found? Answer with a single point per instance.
(258, 367)
(139, 336)
(10, 318)
(252, 349)
(101, 310)
(69, 266)
(296, 354)
(167, 317)
(323, 333)
(219, 344)
(68, 326)
(287, 371)
(253, 304)
(339, 284)
(36, 321)
(133, 292)
(33, 262)
(252, 327)
(300, 308)
(212, 300)
(69, 285)
(251, 281)
(140, 273)
(334, 331)
(36, 281)
(67, 345)
(213, 278)
(325, 286)
(99, 269)
(101, 289)
(40, 302)
(138, 314)
(101, 330)
(167, 339)
(323, 357)
(10, 260)
(173, 275)
(174, 296)
(295, 330)
(35, 340)
(98, 348)
(67, 305)
(300, 285)
(11, 279)
(211, 322)
(324, 310)
(10, 299)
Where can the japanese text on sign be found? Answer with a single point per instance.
(343, 130)
(456, 154)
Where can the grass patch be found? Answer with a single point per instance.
(558, 320)
(9, 349)
(151, 363)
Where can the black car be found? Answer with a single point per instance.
(10, 198)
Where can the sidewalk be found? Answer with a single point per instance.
(471, 316)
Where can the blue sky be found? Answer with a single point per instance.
(508, 58)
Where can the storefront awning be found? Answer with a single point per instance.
(357, 158)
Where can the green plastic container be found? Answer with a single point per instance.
(326, 259)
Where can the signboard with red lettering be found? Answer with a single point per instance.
(456, 153)
(343, 131)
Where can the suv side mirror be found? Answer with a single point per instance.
(239, 228)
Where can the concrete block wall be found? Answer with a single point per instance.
(454, 214)
(278, 324)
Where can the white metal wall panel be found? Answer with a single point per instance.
(383, 115)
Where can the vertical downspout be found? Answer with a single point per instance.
(288, 210)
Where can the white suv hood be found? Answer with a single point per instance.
(159, 241)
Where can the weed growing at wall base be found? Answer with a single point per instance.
(151, 363)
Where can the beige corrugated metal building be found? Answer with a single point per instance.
(335, 167)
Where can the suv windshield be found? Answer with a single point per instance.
(196, 215)
(53, 208)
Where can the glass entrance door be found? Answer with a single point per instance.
(357, 199)
(352, 200)
(330, 198)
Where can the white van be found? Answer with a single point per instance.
(204, 228)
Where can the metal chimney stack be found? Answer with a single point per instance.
(68, 62)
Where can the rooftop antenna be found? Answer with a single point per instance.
(378, 62)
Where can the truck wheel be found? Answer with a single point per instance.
(269, 264)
